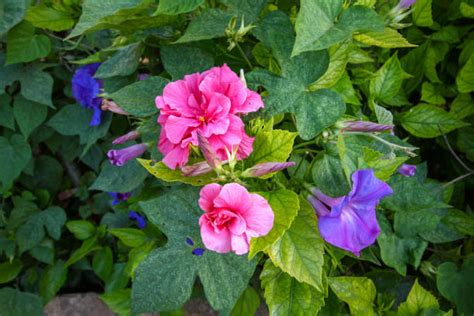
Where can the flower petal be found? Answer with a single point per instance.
(218, 242)
(207, 196)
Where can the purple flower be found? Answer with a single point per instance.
(196, 169)
(143, 76)
(349, 221)
(262, 169)
(140, 220)
(407, 170)
(364, 126)
(189, 241)
(119, 197)
(125, 138)
(198, 251)
(118, 157)
(85, 89)
(405, 3)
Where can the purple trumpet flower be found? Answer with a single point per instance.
(118, 157)
(407, 170)
(86, 88)
(143, 76)
(119, 197)
(196, 169)
(364, 126)
(125, 138)
(140, 220)
(262, 169)
(405, 3)
(349, 222)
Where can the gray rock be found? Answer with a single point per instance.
(80, 304)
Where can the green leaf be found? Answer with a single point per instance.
(119, 278)
(317, 28)
(123, 63)
(383, 115)
(389, 38)
(466, 10)
(33, 231)
(49, 18)
(314, 111)
(418, 301)
(118, 301)
(15, 153)
(384, 167)
(10, 270)
(94, 11)
(285, 205)
(81, 229)
(248, 9)
(465, 77)
(422, 13)
(16, 303)
(462, 106)
(6, 119)
(24, 45)
(162, 172)
(52, 280)
(247, 304)
(387, 81)
(431, 94)
(73, 120)
(174, 7)
(103, 263)
(131, 237)
(29, 115)
(88, 246)
(397, 252)
(284, 295)
(138, 99)
(329, 177)
(119, 179)
(455, 283)
(12, 12)
(223, 276)
(272, 146)
(209, 24)
(428, 121)
(300, 251)
(460, 221)
(345, 89)
(466, 141)
(180, 60)
(357, 292)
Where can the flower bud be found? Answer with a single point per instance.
(196, 170)
(124, 138)
(207, 151)
(363, 126)
(118, 157)
(407, 170)
(405, 3)
(262, 169)
(108, 105)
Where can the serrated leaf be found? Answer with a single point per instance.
(162, 172)
(300, 251)
(223, 276)
(286, 296)
(431, 94)
(418, 301)
(422, 13)
(384, 167)
(272, 146)
(383, 115)
(389, 38)
(428, 121)
(357, 292)
(138, 99)
(285, 205)
(465, 77)
(387, 81)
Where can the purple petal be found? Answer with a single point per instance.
(198, 251)
(140, 220)
(407, 170)
(262, 169)
(132, 135)
(189, 241)
(405, 3)
(367, 189)
(119, 157)
(365, 126)
(196, 169)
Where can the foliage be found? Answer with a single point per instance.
(316, 64)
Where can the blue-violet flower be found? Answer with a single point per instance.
(86, 88)
(140, 220)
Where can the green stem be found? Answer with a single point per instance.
(243, 55)
(300, 145)
(405, 149)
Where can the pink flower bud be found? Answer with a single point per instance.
(262, 169)
(207, 151)
(119, 157)
(196, 170)
(108, 105)
(124, 138)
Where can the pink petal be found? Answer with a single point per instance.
(245, 146)
(239, 244)
(177, 157)
(252, 104)
(218, 242)
(177, 127)
(234, 197)
(259, 217)
(207, 196)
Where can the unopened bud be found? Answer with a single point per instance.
(207, 151)
(363, 126)
(108, 105)
(196, 170)
(262, 169)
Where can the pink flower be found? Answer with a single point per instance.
(209, 102)
(232, 216)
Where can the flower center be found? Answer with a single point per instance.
(202, 119)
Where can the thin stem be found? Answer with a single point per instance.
(457, 179)
(405, 149)
(453, 152)
(243, 55)
(300, 145)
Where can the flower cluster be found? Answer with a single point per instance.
(208, 102)
(86, 90)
